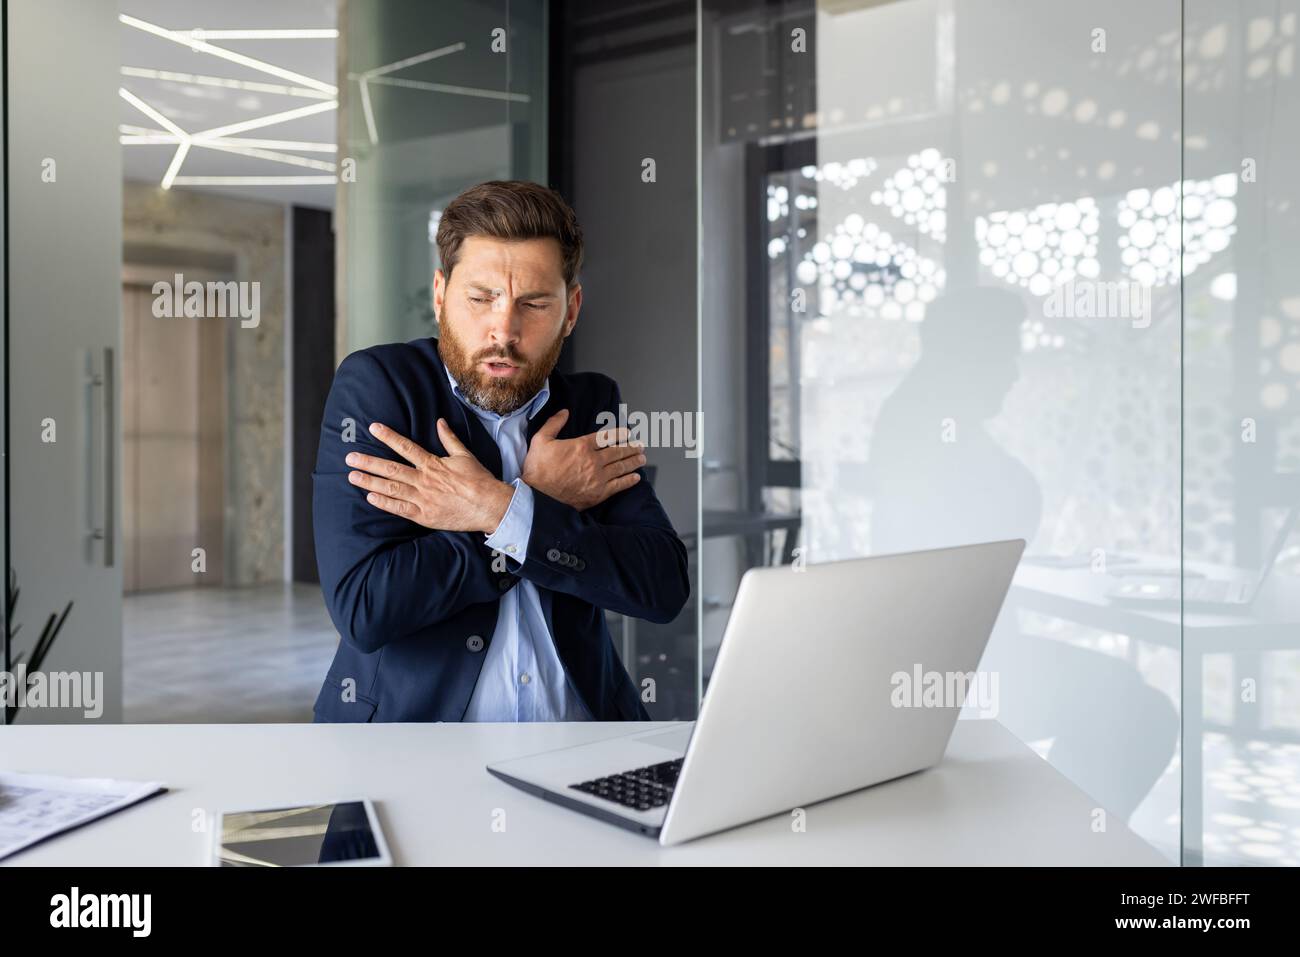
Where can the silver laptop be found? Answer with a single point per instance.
(807, 699)
(1168, 588)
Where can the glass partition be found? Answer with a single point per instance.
(1241, 439)
(434, 98)
(957, 319)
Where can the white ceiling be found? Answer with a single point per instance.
(195, 105)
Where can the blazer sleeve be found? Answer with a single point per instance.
(623, 555)
(384, 577)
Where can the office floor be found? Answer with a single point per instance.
(225, 655)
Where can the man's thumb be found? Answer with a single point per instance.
(553, 425)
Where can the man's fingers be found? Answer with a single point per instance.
(377, 466)
(553, 425)
(389, 488)
(399, 444)
(619, 453)
(450, 441)
(607, 437)
(624, 465)
(622, 483)
(394, 505)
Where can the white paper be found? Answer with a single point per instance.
(36, 806)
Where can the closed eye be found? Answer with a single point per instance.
(530, 305)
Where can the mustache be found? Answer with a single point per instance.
(510, 354)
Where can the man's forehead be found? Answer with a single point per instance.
(520, 288)
(484, 259)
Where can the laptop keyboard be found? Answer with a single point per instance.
(640, 789)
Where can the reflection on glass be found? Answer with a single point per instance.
(992, 290)
(1241, 234)
(298, 836)
(429, 109)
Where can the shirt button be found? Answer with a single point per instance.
(510, 549)
(524, 679)
(474, 643)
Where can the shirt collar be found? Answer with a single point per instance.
(532, 406)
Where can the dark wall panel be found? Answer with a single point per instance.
(313, 367)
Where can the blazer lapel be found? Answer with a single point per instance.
(464, 423)
(480, 441)
(556, 401)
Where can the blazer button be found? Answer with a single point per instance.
(474, 643)
(581, 565)
(553, 555)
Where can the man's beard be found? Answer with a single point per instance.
(490, 393)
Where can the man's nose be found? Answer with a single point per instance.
(504, 322)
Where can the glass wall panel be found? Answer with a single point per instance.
(1241, 419)
(433, 99)
(954, 318)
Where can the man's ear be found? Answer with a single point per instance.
(575, 304)
(439, 292)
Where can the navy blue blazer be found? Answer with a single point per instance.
(416, 608)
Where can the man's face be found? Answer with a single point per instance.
(502, 318)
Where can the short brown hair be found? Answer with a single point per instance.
(511, 210)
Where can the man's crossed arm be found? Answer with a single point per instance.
(455, 493)
(384, 578)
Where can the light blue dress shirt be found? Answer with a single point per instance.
(522, 678)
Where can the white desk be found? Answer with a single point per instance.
(991, 801)
(1270, 623)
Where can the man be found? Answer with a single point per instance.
(471, 523)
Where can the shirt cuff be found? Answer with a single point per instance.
(511, 536)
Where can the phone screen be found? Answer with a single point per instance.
(298, 836)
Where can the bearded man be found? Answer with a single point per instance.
(472, 525)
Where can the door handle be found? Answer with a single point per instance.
(104, 530)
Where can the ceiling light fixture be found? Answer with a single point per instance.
(202, 34)
(202, 46)
(175, 166)
(214, 139)
(368, 112)
(141, 136)
(413, 60)
(449, 88)
(153, 114)
(219, 131)
(288, 159)
(251, 86)
(182, 138)
(376, 75)
(255, 180)
(221, 138)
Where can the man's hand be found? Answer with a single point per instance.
(581, 472)
(454, 493)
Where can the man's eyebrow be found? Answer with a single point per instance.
(536, 294)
